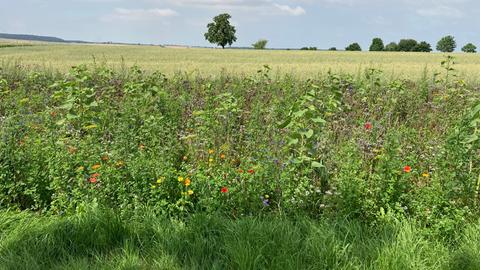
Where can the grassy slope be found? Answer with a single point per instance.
(212, 62)
(100, 240)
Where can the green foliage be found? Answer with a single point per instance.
(446, 44)
(422, 47)
(220, 31)
(334, 145)
(469, 48)
(377, 45)
(353, 47)
(407, 45)
(332, 49)
(308, 48)
(392, 47)
(260, 44)
(99, 239)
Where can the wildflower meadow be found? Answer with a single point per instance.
(139, 170)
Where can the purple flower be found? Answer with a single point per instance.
(266, 202)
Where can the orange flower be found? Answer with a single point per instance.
(251, 171)
(96, 166)
(95, 175)
(222, 156)
(187, 182)
(368, 126)
(93, 180)
(407, 169)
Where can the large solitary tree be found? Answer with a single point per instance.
(377, 45)
(220, 31)
(446, 44)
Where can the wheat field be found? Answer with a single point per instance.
(212, 62)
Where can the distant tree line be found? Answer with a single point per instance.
(222, 33)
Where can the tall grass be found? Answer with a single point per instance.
(99, 239)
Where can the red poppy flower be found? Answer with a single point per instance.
(240, 171)
(407, 169)
(251, 171)
(368, 126)
(95, 175)
(93, 180)
(224, 190)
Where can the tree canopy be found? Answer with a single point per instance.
(446, 44)
(377, 45)
(469, 48)
(220, 31)
(353, 47)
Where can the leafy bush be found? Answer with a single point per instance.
(353, 47)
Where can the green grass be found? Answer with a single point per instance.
(103, 240)
(212, 62)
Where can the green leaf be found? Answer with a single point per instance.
(61, 122)
(319, 120)
(309, 133)
(293, 141)
(316, 164)
(285, 123)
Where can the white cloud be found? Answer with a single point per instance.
(292, 11)
(440, 11)
(123, 14)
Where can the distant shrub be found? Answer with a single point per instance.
(353, 47)
(308, 48)
(260, 44)
(469, 48)
(332, 49)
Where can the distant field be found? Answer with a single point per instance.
(214, 61)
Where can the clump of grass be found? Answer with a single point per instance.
(99, 239)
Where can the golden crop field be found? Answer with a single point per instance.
(212, 62)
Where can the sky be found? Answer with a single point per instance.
(285, 23)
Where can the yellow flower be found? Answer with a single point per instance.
(180, 179)
(120, 164)
(210, 160)
(185, 158)
(160, 180)
(211, 151)
(153, 186)
(96, 166)
(267, 196)
(190, 192)
(81, 168)
(425, 175)
(187, 182)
